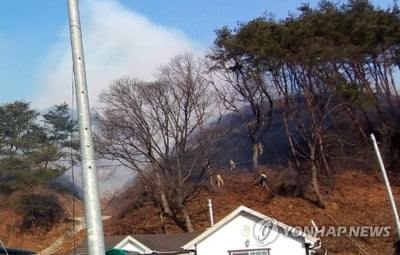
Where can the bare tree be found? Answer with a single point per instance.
(308, 111)
(156, 130)
(243, 91)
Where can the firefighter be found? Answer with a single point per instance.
(232, 164)
(263, 180)
(260, 149)
(220, 181)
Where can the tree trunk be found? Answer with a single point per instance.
(162, 221)
(211, 177)
(212, 183)
(163, 197)
(290, 139)
(164, 203)
(326, 163)
(356, 123)
(255, 158)
(188, 221)
(314, 182)
(314, 175)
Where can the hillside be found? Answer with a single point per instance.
(358, 199)
(37, 239)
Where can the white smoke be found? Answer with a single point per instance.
(117, 42)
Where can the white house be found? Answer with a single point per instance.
(248, 232)
(242, 232)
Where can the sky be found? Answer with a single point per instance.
(121, 38)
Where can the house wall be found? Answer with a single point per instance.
(234, 234)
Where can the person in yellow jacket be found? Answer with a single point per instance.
(220, 181)
(263, 180)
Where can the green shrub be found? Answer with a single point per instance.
(39, 211)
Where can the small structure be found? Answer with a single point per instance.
(14, 251)
(242, 232)
(247, 232)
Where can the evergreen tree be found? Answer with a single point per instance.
(29, 157)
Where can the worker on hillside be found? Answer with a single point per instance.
(220, 181)
(232, 164)
(263, 180)
(260, 149)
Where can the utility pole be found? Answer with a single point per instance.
(93, 217)
(387, 184)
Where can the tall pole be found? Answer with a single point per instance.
(94, 224)
(387, 184)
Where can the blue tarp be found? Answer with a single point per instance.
(14, 251)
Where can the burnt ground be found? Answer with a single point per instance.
(357, 199)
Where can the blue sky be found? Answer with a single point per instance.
(121, 38)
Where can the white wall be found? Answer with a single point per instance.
(235, 233)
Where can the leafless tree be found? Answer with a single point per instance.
(308, 111)
(244, 91)
(158, 130)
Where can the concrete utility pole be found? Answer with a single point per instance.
(93, 217)
(387, 184)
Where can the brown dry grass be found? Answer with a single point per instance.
(37, 239)
(358, 198)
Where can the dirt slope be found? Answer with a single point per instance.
(36, 240)
(358, 199)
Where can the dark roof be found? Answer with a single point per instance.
(14, 251)
(109, 242)
(155, 242)
(165, 242)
